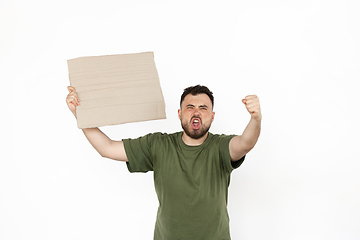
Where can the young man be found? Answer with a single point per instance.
(191, 168)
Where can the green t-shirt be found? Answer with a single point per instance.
(191, 183)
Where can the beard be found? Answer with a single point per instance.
(195, 133)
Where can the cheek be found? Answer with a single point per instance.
(186, 114)
(210, 117)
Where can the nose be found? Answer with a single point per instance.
(196, 112)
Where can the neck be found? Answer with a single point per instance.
(193, 142)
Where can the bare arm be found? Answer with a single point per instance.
(103, 144)
(242, 144)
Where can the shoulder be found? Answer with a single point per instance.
(222, 143)
(219, 142)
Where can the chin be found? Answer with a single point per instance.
(196, 134)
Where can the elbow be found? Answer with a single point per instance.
(105, 150)
(247, 149)
(250, 145)
(105, 154)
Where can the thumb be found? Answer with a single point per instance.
(70, 88)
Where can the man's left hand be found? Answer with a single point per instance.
(252, 104)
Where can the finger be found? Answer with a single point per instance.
(249, 105)
(71, 96)
(251, 96)
(71, 89)
(70, 100)
(75, 103)
(244, 101)
(73, 99)
(72, 92)
(253, 109)
(74, 96)
(253, 101)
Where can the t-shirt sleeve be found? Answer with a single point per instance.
(225, 154)
(138, 152)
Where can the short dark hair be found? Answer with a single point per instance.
(195, 90)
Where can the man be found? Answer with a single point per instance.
(191, 168)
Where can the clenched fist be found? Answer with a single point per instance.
(252, 104)
(72, 100)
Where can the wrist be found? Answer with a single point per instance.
(257, 118)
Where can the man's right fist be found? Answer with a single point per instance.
(72, 100)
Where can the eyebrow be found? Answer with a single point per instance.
(192, 105)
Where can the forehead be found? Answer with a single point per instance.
(197, 100)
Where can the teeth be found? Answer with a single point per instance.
(196, 121)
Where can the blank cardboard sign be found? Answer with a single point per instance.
(116, 89)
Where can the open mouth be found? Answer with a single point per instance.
(195, 123)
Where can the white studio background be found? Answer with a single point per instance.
(301, 58)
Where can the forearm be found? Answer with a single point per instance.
(97, 139)
(102, 143)
(251, 133)
(242, 144)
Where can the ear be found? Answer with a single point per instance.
(179, 113)
(213, 116)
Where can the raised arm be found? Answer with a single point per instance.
(242, 144)
(103, 144)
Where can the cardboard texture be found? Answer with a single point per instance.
(116, 89)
